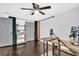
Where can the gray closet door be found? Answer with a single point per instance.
(29, 31)
(5, 31)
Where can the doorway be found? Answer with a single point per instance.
(29, 30)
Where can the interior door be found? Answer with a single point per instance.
(5, 31)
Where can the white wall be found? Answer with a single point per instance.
(45, 27)
(61, 24)
(5, 31)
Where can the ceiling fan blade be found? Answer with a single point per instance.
(33, 5)
(26, 9)
(47, 7)
(32, 13)
(42, 13)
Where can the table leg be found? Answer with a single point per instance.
(44, 48)
(53, 49)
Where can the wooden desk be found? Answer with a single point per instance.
(49, 40)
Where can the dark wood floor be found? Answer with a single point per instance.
(28, 49)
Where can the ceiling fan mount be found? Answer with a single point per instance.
(38, 8)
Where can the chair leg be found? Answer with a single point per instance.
(59, 48)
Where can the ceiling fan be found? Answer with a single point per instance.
(38, 8)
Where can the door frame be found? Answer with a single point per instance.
(14, 32)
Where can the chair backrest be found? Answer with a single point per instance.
(78, 31)
(74, 29)
(51, 32)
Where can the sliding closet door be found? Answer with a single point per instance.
(29, 28)
(5, 31)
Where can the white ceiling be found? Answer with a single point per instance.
(13, 9)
